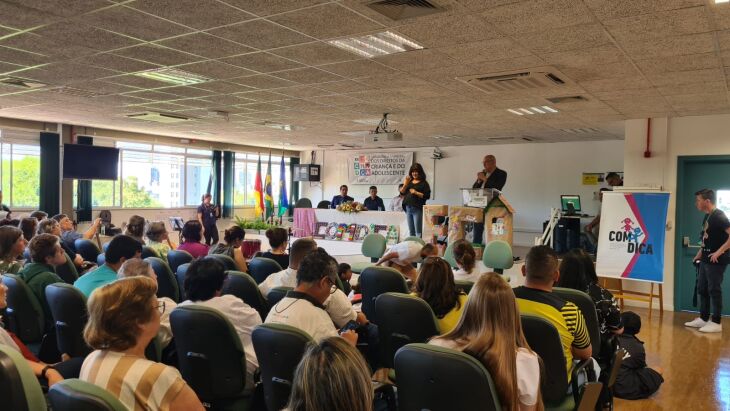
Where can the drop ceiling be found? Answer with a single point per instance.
(274, 73)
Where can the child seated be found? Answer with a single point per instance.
(635, 380)
(344, 271)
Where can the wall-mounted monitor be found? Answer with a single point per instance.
(85, 162)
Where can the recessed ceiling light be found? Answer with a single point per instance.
(515, 112)
(284, 127)
(533, 110)
(375, 45)
(721, 1)
(174, 76)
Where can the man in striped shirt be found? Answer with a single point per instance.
(536, 298)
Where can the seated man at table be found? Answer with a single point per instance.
(403, 255)
(373, 202)
(343, 197)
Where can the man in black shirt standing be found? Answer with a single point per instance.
(713, 259)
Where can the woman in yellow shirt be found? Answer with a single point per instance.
(435, 285)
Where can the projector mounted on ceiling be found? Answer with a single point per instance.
(383, 134)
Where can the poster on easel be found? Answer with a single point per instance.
(631, 236)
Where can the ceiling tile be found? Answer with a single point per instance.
(626, 83)
(449, 30)
(536, 15)
(19, 17)
(203, 44)
(584, 36)
(103, 87)
(7, 67)
(517, 63)
(186, 91)
(346, 86)
(263, 82)
(315, 54)
(151, 95)
(660, 24)
(65, 73)
(313, 21)
(260, 96)
(605, 10)
(261, 34)
(117, 63)
(687, 77)
(307, 75)
(669, 46)
(86, 36)
(358, 68)
(46, 46)
(63, 8)
(691, 88)
(267, 7)
(199, 14)
(158, 55)
(223, 87)
(679, 63)
(302, 91)
(335, 100)
(216, 70)
(611, 70)
(417, 60)
(133, 23)
(262, 62)
(489, 50)
(10, 55)
(136, 81)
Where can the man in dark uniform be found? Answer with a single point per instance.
(491, 176)
(713, 258)
(342, 198)
(207, 214)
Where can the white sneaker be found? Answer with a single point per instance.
(711, 327)
(696, 323)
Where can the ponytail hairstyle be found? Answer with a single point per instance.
(232, 234)
(464, 255)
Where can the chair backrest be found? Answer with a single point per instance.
(543, 338)
(260, 268)
(228, 262)
(449, 255)
(166, 281)
(279, 348)
(148, 251)
(587, 307)
(402, 319)
(26, 254)
(213, 366)
(24, 313)
(416, 239)
(68, 308)
(373, 246)
(100, 259)
(324, 204)
(303, 202)
(87, 248)
(76, 395)
(244, 287)
(19, 387)
(618, 359)
(276, 294)
(378, 280)
(464, 286)
(498, 255)
(68, 271)
(176, 258)
(180, 277)
(105, 246)
(436, 378)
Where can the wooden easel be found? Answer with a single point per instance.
(616, 287)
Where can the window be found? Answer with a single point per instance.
(245, 177)
(148, 179)
(197, 175)
(21, 173)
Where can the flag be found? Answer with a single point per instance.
(283, 201)
(258, 193)
(268, 198)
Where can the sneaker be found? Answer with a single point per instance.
(696, 323)
(711, 327)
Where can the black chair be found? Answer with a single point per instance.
(68, 271)
(587, 307)
(76, 395)
(276, 294)
(100, 259)
(279, 348)
(464, 286)
(377, 280)
(68, 308)
(87, 249)
(228, 262)
(402, 319)
(303, 202)
(176, 258)
(215, 366)
(438, 379)
(324, 204)
(180, 277)
(260, 268)
(19, 387)
(24, 313)
(166, 281)
(148, 252)
(244, 287)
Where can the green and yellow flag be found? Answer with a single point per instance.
(268, 197)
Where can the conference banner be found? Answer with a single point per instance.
(631, 236)
(379, 168)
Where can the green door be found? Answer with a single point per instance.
(695, 173)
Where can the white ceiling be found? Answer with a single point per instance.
(271, 64)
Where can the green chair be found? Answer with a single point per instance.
(19, 387)
(440, 379)
(68, 308)
(166, 281)
(244, 287)
(148, 251)
(498, 255)
(449, 255)
(68, 271)
(24, 314)
(379, 280)
(373, 246)
(176, 258)
(228, 262)
(76, 395)
(464, 286)
(260, 267)
(587, 307)
(276, 294)
(416, 239)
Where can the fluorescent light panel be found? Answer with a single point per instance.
(173, 76)
(533, 110)
(378, 44)
(721, 1)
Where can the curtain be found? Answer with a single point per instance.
(229, 161)
(83, 191)
(294, 192)
(214, 182)
(50, 184)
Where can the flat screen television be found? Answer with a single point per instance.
(84, 162)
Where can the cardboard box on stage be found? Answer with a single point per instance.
(498, 220)
(462, 220)
(434, 217)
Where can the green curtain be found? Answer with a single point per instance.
(214, 182)
(229, 161)
(83, 191)
(294, 192)
(50, 184)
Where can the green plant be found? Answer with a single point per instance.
(253, 224)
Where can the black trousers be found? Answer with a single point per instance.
(211, 234)
(709, 288)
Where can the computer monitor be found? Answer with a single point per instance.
(566, 200)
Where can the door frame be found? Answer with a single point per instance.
(682, 162)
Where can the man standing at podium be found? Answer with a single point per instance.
(491, 176)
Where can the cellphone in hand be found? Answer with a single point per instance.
(351, 325)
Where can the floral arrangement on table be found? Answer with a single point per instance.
(351, 207)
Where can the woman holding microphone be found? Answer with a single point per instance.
(416, 191)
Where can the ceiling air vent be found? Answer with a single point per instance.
(159, 117)
(21, 83)
(404, 9)
(537, 79)
(567, 99)
(582, 130)
(499, 138)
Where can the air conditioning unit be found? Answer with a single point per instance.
(389, 137)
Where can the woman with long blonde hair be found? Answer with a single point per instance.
(490, 330)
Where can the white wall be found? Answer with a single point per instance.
(537, 175)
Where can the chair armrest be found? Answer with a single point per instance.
(589, 397)
(586, 365)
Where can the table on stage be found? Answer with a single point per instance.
(305, 219)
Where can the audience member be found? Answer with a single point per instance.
(159, 239)
(207, 215)
(3, 207)
(28, 226)
(396, 203)
(233, 238)
(536, 298)
(192, 233)
(46, 254)
(6, 221)
(470, 269)
(278, 241)
(614, 179)
(435, 285)
(121, 249)
(138, 267)
(416, 191)
(635, 379)
(332, 375)
(12, 246)
(491, 331)
(303, 307)
(51, 226)
(68, 232)
(373, 202)
(124, 317)
(403, 255)
(203, 284)
(344, 271)
(135, 228)
(342, 198)
(39, 215)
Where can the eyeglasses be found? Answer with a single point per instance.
(161, 307)
(333, 286)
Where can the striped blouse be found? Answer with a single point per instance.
(138, 383)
